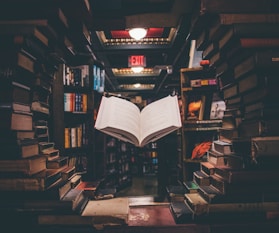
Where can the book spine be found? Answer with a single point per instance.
(248, 18)
(259, 42)
(67, 137)
(244, 207)
(73, 134)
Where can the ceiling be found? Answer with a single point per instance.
(165, 47)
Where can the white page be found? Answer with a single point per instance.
(119, 113)
(159, 115)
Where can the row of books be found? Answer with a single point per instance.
(75, 102)
(76, 136)
(77, 76)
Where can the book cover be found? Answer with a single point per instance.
(18, 148)
(264, 147)
(45, 180)
(216, 158)
(29, 166)
(198, 205)
(201, 178)
(181, 212)
(267, 92)
(111, 211)
(175, 192)
(232, 18)
(191, 186)
(124, 120)
(256, 128)
(14, 92)
(59, 162)
(76, 199)
(222, 147)
(208, 193)
(207, 167)
(228, 134)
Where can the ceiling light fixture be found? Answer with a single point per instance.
(137, 85)
(137, 69)
(137, 33)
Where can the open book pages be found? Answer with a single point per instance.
(124, 120)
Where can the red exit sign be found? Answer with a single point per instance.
(136, 60)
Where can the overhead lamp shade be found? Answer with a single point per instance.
(137, 33)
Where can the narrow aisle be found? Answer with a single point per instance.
(141, 186)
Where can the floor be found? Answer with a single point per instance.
(141, 186)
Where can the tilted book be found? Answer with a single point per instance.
(124, 120)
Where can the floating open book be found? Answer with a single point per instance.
(124, 120)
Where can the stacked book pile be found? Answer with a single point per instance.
(223, 187)
(240, 177)
(33, 174)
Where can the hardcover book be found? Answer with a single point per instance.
(207, 167)
(59, 162)
(113, 211)
(176, 192)
(216, 158)
(16, 116)
(264, 147)
(257, 128)
(197, 204)
(14, 92)
(28, 166)
(76, 199)
(201, 178)
(191, 186)
(124, 120)
(225, 148)
(18, 148)
(181, 212)
(41, 181)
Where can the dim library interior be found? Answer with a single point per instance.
(204, 160)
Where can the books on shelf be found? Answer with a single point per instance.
(75, 102)
(124, 120)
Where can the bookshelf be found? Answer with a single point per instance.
(117, 162)
(75, 114)
(198, 85)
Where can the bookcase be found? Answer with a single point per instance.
(117, 162)
(198, 88)
(76, 105)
